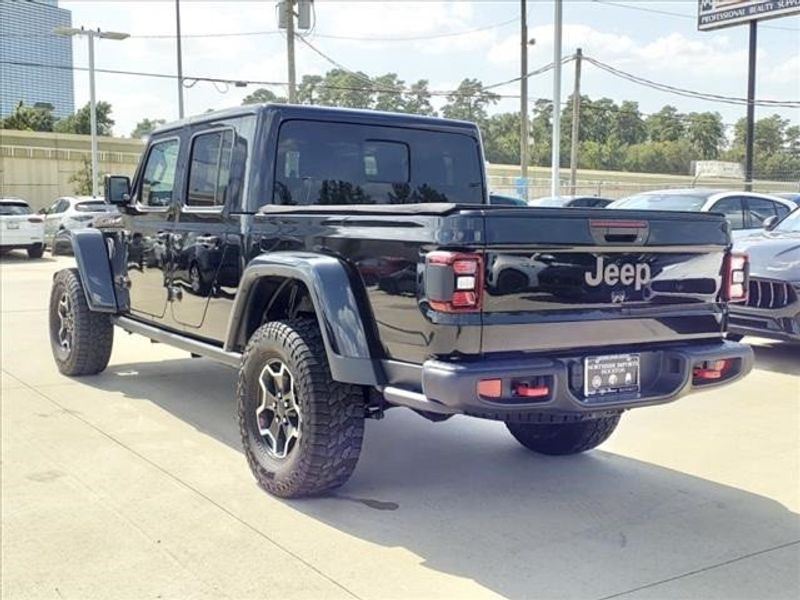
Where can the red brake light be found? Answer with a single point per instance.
(711, 370)
(454, 281)
(735, 283)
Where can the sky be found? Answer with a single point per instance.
(634, 35)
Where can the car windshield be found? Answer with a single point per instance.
(14, 209)
(790, 224)
(94, 206)
(661, 202)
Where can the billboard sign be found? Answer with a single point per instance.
(719, 169)
(713, 14)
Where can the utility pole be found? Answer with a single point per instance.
(751, 109)
(180, 57)
(555, 184)
(523, 91)
(576, 120)
(289, 7)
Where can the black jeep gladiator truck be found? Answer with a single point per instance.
(348, 261)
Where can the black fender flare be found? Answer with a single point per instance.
(340, 320)
(94, 267)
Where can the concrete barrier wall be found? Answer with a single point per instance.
(38, 166)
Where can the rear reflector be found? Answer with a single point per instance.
(711, 370)
(490, 388)
(531, 392)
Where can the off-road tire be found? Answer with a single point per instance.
(92, 334)
(564, 438)
(36, 251)
(326, 452)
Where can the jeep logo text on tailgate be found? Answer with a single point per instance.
(627, 274)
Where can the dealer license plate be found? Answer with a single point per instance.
(610, 374)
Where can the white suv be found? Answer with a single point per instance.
(20, 228)
(72, 212)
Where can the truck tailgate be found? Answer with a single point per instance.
(618, 278)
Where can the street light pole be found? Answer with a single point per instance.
(92, 113)
(555, 176)
(91, 34)
(180, 57)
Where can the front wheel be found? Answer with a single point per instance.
(81, 339)
(564, 438)
(301, 430)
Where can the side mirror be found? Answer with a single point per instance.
(117, 189)
(770, 222)
(41, 211)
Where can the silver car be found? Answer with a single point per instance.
(747, 212)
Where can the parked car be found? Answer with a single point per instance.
(772, 309)
(746, 211)
(503, 200)
(350, 264)
(790, 196)
(20, 229)
(571, 201)
(71, 212)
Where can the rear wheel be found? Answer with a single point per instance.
(564, 438)
(81, 339)
(36, 251)
(301, 430)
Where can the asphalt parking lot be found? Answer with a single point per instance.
(131, 484)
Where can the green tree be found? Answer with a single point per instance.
(418, 99)
(29, 118)
(501, 138)
(469, 102)
(145, 127)
(666, 125)
(342, 88)
(308, 89)
(629, 125)
(80, 122)
(389, 93)
(262, 96)
(706, 133)
(541, 133)
(82, 178)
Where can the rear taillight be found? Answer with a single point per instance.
(734, 282)
(453, 281)
(35, 220)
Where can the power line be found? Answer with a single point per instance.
(680, 15)
(686, 92)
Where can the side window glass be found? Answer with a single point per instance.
(732, 209)
(758, 210)
(210, 169)
(158, 181)
(782, 210)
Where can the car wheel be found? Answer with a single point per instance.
(301, 430)
(36, 251)
(564, 438)
(81, 339)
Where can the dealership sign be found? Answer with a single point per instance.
(713, 14)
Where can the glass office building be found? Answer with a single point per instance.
(27, 47)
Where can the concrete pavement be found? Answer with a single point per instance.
(131, 484)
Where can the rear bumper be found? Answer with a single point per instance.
(21, 238)
(779, 324)
(666, 375)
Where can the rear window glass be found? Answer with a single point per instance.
(94, 207)
(661, 202)
(337, 163)
(15, 209)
